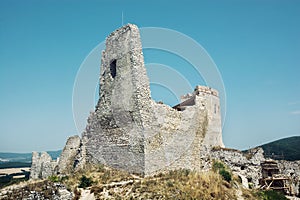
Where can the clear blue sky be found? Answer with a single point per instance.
(255, 44)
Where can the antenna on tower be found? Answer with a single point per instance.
(122, 19)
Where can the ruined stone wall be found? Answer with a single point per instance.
(42, 165)
(176, 139)
(129, 131)
(292, 170)
(213, 135)
(209, 98)
(67, 160)
(115, 131)
(246, 166)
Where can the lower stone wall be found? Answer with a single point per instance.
(292, 170)
(182, 151)
(176, 139)
(67, 159)
(246, 166)
(42, 166)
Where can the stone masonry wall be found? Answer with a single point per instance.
(292, 170)
(67, 159)
(115, 131)
(248, 168)
(129, 131)
(42, 166)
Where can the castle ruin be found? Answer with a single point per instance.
(130, 131)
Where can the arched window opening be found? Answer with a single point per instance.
(113, 68)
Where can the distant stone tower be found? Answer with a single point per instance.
(210, 98)
(129, 131)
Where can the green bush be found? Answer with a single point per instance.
(221, 169)
(217, 166)
(225, 174)
(54, 179)
(271, 195)
(85, 182)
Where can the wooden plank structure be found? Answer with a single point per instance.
(272, 179)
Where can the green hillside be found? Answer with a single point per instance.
(283, 149)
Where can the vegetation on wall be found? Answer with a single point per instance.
(223, 170)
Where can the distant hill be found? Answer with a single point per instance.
(10, 160)
(283, 149)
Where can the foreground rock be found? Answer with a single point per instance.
(36, 190)
(42, 166)
(67, 159)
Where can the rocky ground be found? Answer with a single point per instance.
(33, 190)
(99, 182)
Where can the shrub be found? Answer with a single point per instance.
(271, 194)
(217, 166)
(250, 185)
(221, 169)
(225, 174)
(85, 182)
(54, 179)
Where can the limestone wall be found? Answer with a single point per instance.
(292, 170)
(213, 135)
(176, 139)
(42, 165)
(115, 131)
(67, 159)
(129, 131)
(247, 167)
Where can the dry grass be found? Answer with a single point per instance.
(178, 184)
(99, 174)
(109, 183)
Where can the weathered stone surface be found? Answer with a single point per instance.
(129, 131)
(42, 166)
(292, 170)
(67, 160)
(35, 166)
(247, 167)
(114, 134)
(64, 194)
(36, 190)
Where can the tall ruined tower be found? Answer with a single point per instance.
(129, 131)
(115, 131)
